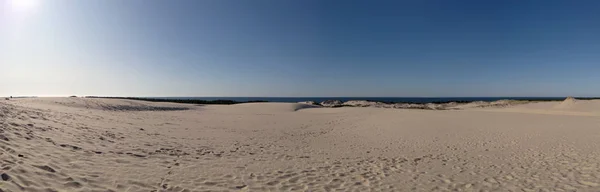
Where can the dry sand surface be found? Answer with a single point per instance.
(84, 144)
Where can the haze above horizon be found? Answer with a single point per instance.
(300, 48)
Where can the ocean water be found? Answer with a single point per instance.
(380, 99)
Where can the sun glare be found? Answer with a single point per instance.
(23, 5)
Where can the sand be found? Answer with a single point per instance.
(84, 144)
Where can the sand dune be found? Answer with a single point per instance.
(82, 144)
(568, 103)
(569, 106)
(103, 104)
(269, 107)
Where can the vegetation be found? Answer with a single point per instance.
(189, 101)
(338, 106)
(470, 101)
(587, 98)
(230, 102)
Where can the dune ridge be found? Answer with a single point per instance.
(428, 106)
(569, 102)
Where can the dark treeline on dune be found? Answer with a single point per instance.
(189, 101)
(527, 99)
(470, 101)
(587, 98)
(230, 102)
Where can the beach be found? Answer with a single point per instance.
(93, 144)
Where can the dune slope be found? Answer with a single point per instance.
(77, 144)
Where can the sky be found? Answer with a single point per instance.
(300, 48)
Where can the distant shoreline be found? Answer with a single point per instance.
(188, 101)
(386, 100)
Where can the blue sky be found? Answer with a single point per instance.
(300, 48)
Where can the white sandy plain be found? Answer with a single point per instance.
(85, 144)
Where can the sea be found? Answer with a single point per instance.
(379, 99)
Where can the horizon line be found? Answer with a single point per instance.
(315, 96)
